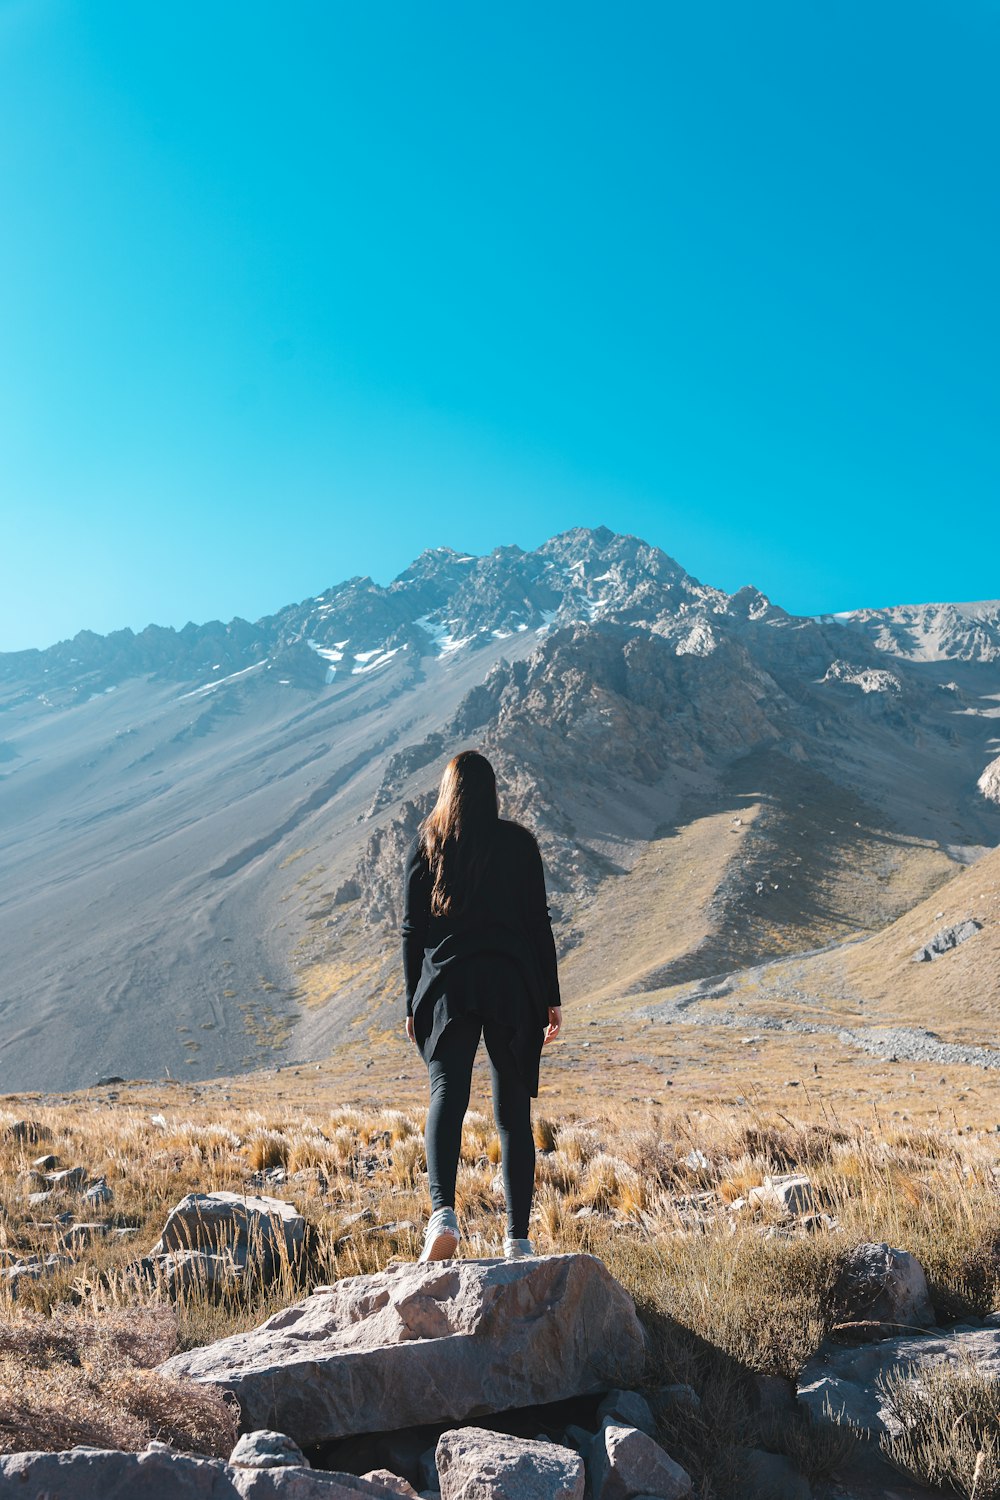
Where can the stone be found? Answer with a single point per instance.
(252, 1228)
(159, 1473)
(579, 1438)
(30, 1131)
(182, 1271)
(625, 1463)
(392, 1484)
(45, 1163)
(881, 1285)
(68, 1177)
(428, 1343)
(845, 1377)
(785, 1192)
(629, 1409)
(947, 938)
(265, 1449)
(98, 1193)
(475, 1464)
(83, 1473)
(772, 1476)
(427, 1469)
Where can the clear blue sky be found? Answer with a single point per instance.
(289, 292)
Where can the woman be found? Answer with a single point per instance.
(479, 961)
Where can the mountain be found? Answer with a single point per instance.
(201, 831)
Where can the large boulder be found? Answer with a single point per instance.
(884, 1286)
(841, 1380)
(256, 1231)
(428, 1343)
(475, 1464)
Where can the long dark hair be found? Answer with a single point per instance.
(457, 834)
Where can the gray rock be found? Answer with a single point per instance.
(159, 1473)
(427, 1469)
(98, 1193)
(45, 1163)
(628, 1409)
(475, 1464)
(106, 1474)
(68, 1177)
(625, 1463)
(428, 1343)
(785, 1192)
(182, 1271)
(252, 1228)
(392, 1484)
(773, 1476)
(948, 937)
(265, 1449)
(579, 1438)
(845, 1377)
(882, 1285)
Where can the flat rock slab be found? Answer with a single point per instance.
(160, 1474)
(428, 1343)
(474, 1464)
(845, 1378)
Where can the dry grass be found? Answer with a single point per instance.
(67, 1378)
(727, 1290)
(950, 1420)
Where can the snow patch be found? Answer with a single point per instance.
(209, 687)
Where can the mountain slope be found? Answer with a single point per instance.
(201, 831)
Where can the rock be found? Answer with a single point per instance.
(775, 1396)
(475, 1464)
(30, 1131)
(69, 1177)
(392, 1484)
(948, 937)
(579, 1438)
(428, 1343)
(159, 1473)
(265, 1449)
(626, 1463)
(85, 1473)
(629, 1409)
(845, 1377)
(772, 1476)
(98, 1193)
(989, 781)
(677, 1400)
(45, 1163)
(882, 1285)
(427, 1469)
(786, 1192)
(252, 1228)
(182, 1271)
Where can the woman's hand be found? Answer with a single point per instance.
(555, 1021)
(411, 1035)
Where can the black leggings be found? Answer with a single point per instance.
(451, 1081)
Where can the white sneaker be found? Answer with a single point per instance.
(441, 1239)
(517, 1249)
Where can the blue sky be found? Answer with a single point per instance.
(288, 293)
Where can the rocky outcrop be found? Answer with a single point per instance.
(426, 1343)
(947, 938)
(989, 782)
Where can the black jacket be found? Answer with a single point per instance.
(496, 959)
